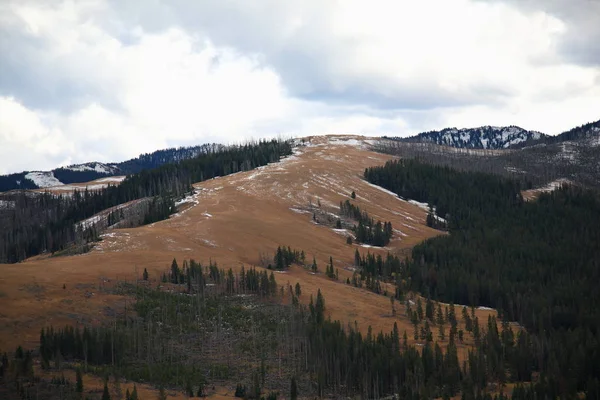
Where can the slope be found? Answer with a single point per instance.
(234, 220)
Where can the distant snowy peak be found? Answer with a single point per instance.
(94, 166)
(43, 179)
(484, 137)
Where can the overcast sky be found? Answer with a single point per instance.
(106, 80)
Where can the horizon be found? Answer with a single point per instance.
(105, 81)
(250, 140)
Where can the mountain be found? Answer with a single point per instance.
(483, 137)
(590, 130)
(239, 309)
(95, 170)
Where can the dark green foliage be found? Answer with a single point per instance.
(374, 268)
(240, 390)
(329, 270)
(537, 262)
(79, 381)
(160, 208)
(162, 394)
(272, 396)
(353, 195)
(285, 257)
(293, 389)
(367, 231)
(105, 393)
(145, 274)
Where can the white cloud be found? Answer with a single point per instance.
(106, 81)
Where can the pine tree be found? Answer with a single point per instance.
(429, 309)
(145, 275)
(162, 394)
(419, 309)
(105, 393)
(134, 394)
(293, 389)
(298, 289)
(174, 271)
(79, 381)
(314, 265)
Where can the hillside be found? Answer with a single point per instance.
(271, 205)
(573, 155)
(216, 316)
(90, 171)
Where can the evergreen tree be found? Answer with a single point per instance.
(79, 381)
(162, 394)
(105, 393)
(293, 389)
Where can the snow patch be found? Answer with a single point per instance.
(98, 167)
(299, 211)
(345, 142)
(552, 186)
(111, 179)
(424, 206)
(7, 204)
(210, 242)
(43, 179)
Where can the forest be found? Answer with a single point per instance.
(47, 223)
(537, 262)
(206, 326)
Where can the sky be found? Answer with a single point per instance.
(106, 80)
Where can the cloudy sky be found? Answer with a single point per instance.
(106, 80)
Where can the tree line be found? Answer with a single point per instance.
(44, 222)
(536, 262)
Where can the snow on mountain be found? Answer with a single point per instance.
(43, 178)
(93, 166)
(484, 137)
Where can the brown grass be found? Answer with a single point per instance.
(238, 217)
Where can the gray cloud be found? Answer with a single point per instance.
(109, 79)
(581, 41)
(307, 58)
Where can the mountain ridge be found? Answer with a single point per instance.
(93, 170)
(483, 137)
(499, 138)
